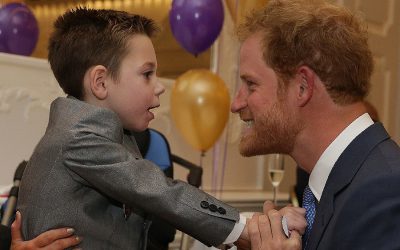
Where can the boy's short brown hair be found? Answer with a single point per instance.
(85, 37)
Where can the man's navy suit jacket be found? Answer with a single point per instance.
(360, 204)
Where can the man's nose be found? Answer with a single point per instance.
(239, 101)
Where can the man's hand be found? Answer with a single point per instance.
(295, 216)
(265, 232)
(56, 239)
(268, 205)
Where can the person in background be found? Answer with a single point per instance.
(305, 67)
(87, 172)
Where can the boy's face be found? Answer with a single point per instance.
(137, 89)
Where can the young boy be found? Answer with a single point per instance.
(86, 172)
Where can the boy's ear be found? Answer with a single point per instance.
(97, 81)
(304, 85)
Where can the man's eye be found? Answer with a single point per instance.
(250, 85)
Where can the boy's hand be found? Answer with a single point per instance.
(52, 240)
(265, 232)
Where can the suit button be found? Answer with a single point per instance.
(213, 208)
(221, 210)
(204, 204)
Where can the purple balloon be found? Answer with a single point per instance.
(196, 23)
(19, 30)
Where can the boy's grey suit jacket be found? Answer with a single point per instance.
(85, 167)
(360, 205)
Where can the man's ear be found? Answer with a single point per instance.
(304, 85)
(97, 81)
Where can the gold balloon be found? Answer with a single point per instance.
(200, 107)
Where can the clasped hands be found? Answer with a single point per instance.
(265, 232)
(262, 232)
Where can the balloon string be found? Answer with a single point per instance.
(224, 157)
(215, 167)
(202, 154)
(214, 67)
(229, 122)
(236, 11)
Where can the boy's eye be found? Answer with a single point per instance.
(148, 74)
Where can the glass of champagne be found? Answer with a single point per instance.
(276, 169)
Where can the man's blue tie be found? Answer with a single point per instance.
(309, 205)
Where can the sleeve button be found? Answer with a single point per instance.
(204, 204)
(213, 208)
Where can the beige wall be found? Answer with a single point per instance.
(383, 20)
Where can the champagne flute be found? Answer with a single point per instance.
(276, 169)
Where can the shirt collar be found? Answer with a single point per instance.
(325, 163)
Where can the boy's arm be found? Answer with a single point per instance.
(112, 168)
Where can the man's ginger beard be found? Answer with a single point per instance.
(272, 132)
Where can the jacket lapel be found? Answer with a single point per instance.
(341, 176)
(130, 144)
